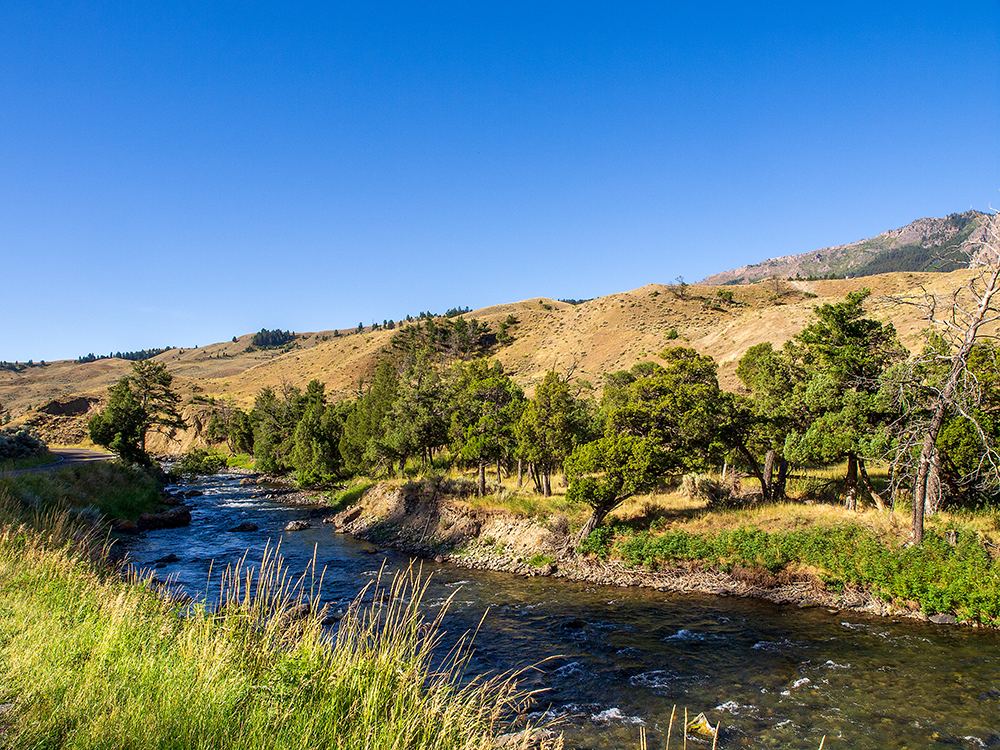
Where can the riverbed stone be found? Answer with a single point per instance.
(943, 618)
(245, 526)
(297, 525)
(171, 558)
(121, 526)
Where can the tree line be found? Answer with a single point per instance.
(842, 390)
(136, 356)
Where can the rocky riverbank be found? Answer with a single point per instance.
(445, 528)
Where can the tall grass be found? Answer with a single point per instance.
(94, 662)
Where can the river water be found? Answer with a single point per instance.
(774, 676)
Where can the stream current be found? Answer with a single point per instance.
(773, 676)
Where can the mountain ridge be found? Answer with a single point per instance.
(927, 244)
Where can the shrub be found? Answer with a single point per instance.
(20, 444)
(198, 461)
(703, 487)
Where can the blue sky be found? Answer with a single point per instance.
(176, 174)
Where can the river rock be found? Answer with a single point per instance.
(171, 558)
(247, 481)
(943, 619)
(547, 569)
(193, 493)
(121, 526)
(297, 525)
(245, 526)
(170, 519)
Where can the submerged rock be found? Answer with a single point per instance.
(245, 526)
(297, 525)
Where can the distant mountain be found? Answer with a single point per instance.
(924, 245)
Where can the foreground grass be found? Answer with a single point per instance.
(93, 661)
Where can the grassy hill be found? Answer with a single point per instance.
(592, 338)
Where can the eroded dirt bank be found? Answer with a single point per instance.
(422, 521)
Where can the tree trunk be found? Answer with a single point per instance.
(520, 473)
(879, 502)
(599, 514)
(725, 467)
(754, 467)
(546, 482)
(934, 488)
(533, 470)
(499, 475)
(778, 490)
(481, 486)
(851, 483)
(769, 475)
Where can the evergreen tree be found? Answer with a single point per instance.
(121, 425)
(836, 406)
(488, 408)
(364, 421)
(549, 427)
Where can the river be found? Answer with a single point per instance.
(774, 676)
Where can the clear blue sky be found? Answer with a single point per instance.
(176, 174)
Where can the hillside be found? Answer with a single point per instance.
(923, 245)
(593, 338)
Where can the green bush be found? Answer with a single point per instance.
(937, 574)
(198, 461)
(20, 444)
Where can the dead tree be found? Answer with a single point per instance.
(961, 319)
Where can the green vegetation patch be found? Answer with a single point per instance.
(950, 571)
(111, 489)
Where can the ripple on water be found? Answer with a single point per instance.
(689, 635)
(777, 647)
(659, 679)
(572, 669)
(614, 714)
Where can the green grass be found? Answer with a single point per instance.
(29, 463)
(111, 489)
(94, 661)
(339, 501)
(240, 461)
(940, 576)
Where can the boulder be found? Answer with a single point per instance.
(170, 519)
(245, 526)
(121, 526)
(943, 619)
(297, 525)
(171, 558)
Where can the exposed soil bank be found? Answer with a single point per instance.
(448, 529)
